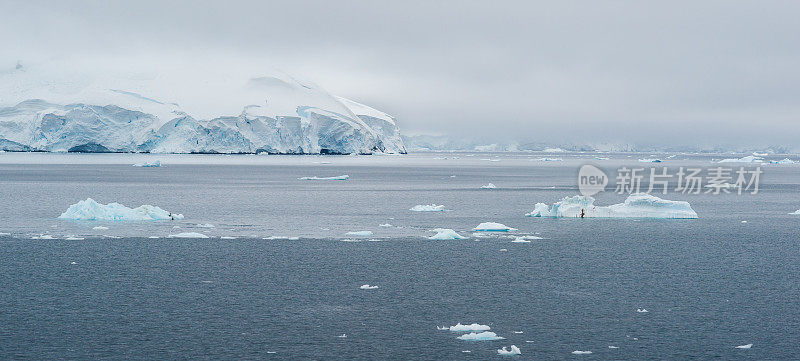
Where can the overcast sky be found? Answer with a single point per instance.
(707, 72)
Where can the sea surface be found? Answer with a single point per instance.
(279, 277)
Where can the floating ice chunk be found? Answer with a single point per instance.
(553, 150)
(601, 158)
(344, 335)
(154, 237)
(89, 210)
(481, 336)
(548, 159)
(5, 234)
(368, 287)
(227, 237)
(73, 238)
(466, 351)
(650, 160)
(576, 352)
(100, 228)
(205, 225)
(187, 235)
(148, 164)
(466, 328)
(445, 234)
(783, 161)
(797, 212)
(272, 238)
(747, 159)
(520, 240)
(359, 233)
(506, 352)
(493, 227)
(518, 332)
(503, 250)
(744, 221)
(641, 310)
(489, 186)
(613, 347)
(637, 205)
(73, 263)
(385, 225)
(427, 208)
(350, 240)
(44, 236)
(745, 347)
(341, 177)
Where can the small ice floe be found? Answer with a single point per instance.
(445, 234)
(613, 347)
(548, 159)
(553, 150)
(796, 213)
(480, 336)
(341, 177)
(489, 186)
(154, 237)
(344, 335)
(466, 351)
(601, 158)
(493, 227)
(427, 208)
(650, 160)
(576, 352)
(152, 164)
(783, 161)
(89, 210)
(374, 240)
(100, 228)
(187, 235)
(474, 327)
(520, 240)
(745, 347)
(272, 238)
(529, 341)
(744, 221)
(73, 238)
(518, 332)
(350, 240)
(368, 287)
(205, 225)
(747, 159)
(503, 250)
(5, 234)
(641, 310)
(506, 352)
(73, 263)
(385, 225)
(44, 236)
(359, 233)
(272, 352)
(227, 237)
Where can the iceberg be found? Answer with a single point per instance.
(466, 328)
(427, 208)
(747, 159)
(520, 240)
(641, 310)
(493, 227)
(385, 225)
(506, 352)
(90, 210)
(368, 287)
(187, 235)
(650, 160)
(445, 234)
(360, 233)
(797, 212)
(341, 177)
(637, 205)
(783, 161)
(183, 109)
(745, 347)
(480, 336)
(154, 164)
(489, 186)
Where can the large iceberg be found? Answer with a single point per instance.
(183, 109)
(90, 210)
(637, 205)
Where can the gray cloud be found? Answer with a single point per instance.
(688, 72)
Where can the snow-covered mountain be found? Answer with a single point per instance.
(46, 107)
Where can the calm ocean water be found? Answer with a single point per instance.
(709, 284)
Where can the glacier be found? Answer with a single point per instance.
(637, 205)
(90, 210)
(53, 108)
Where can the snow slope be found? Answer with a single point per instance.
(46, 107)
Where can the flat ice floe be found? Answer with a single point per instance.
(368, 287)
(637, 205)
(340, 177)
(205, 225)
(481, 336)
(445, 234)
(650, 160)
(427, 208)
(359, 233)
(506, 352)
(489, 186)
(493, 227)
(576, 352)
(288, 238)
(154, 164)
(385, 225)
(747, 159)
(466, 328)
(520, 240)
(642, 310)
(89, 210)
(745, 347)
(187, 235)
(100, 228)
